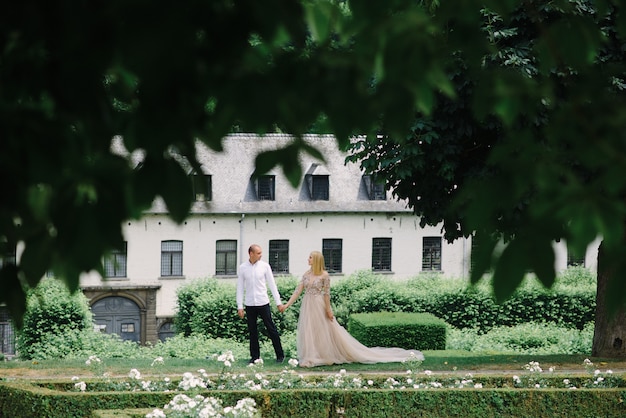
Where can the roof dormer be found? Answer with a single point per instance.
(317, 182)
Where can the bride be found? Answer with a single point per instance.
(320, 338)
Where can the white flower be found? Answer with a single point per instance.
(370, 382)
(293, 362)
(157, 361)
(157, 413)
(478, 386)
(74, 378)
(566, 381)
(134, 374)
(82, 386)
(428, 372)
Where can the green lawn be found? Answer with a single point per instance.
(441, 361)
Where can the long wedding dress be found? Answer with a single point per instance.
(321, 341)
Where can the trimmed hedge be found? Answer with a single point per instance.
(25, 401)
(399, 329)
(207, 306)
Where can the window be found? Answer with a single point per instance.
(167, 330)
(573, 260)
(375, 188)
(381, 254)
(319, 187)
(316, 179)
(202, 190)
(279, 255)
(115, 263)
(171, 258)
(332, 251)
(226, 257)
(265, 187)
(431, 254)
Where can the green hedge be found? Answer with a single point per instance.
(399, 329)
(25, 401)
(208, 306)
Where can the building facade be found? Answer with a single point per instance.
(350, 217)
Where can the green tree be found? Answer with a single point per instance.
(75, 74)
(532, 160)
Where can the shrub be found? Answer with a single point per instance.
(53, 321)
(530, 338)
(209, 308)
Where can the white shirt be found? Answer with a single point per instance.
(253, 280)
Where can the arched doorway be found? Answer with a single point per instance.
(118, 315)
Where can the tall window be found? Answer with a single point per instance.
(265, 187)
(333, 253)
(573, 260)
(171, 258)
(279, 255)
(381, 254)
(115, 263)
(431, 254)
(202, 188)
(226, 257)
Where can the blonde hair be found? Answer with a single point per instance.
(317, 263)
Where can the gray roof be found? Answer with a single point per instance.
(233, 190)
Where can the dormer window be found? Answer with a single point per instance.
(375, 187)
(317, 180)
(266, 187)
(202, 189)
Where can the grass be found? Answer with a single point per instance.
(440, 361)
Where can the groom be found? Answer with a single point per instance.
(253, 278)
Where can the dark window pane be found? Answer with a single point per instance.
(333, 253)
(431, 254)
(202, 187)
(115, 263)
(279, 256)
(381, 254)
(265, 188)
(226, 257)
(171, 258)
(319, 188)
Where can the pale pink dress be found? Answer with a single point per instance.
(321, 341)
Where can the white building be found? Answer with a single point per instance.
(335, 209)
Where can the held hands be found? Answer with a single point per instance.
(282, 308)
(329, 315)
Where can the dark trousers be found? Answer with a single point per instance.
(252, 314)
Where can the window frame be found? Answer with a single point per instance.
(266, 187)
(118, 259)
(278, 247)
(375, 189)
(202, 183)
(228, 265)
(171, 259)
(332, 249)
(431, 253)
(381, 254)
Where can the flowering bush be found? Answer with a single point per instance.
(183, 406)
(190, 402)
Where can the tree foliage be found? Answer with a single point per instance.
(529, 150)
(75, 74)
